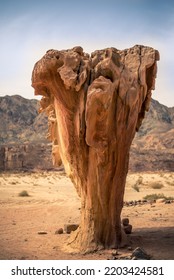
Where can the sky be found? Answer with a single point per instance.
(29, 28)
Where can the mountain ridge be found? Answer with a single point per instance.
(152, 147)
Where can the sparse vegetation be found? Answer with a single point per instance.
(14, 183)
(155, 196)
(23, 193)
(170, 183)
(156, 185)
(136, 187)
(138, 182)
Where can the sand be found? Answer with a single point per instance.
(53, 202)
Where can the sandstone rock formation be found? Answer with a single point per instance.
(25, 157)
(95, 104)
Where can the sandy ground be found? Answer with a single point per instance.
(53, 202)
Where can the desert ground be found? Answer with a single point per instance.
(53, 202)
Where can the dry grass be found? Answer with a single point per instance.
(136, 187)
(156, 185)
(137, 184)
(23, 194)
(155, 196)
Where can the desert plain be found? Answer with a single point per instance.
(28, 223)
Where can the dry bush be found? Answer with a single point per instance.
(156, 185)
(13, 182)
(138, 182)
(170, 183)
(136, 187)
(155, 196)
(23, 193)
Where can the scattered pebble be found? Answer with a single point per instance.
(145, 201)
(126, 226)
(115, 253)
(70, 227)
(160, 200)
(128, 229)
(167, 202)
(42, 232)
(140, 254)
(125, 221)
(59, 231)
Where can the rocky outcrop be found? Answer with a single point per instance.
(95, 104)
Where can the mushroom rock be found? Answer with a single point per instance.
(95, 104)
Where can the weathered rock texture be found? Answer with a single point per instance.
(21, 123)
(95, 104)
(25, 157)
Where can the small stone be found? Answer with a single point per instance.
(115, 253)
(167, 202)
(127, 258)
(139, 253)
(42, 232)
(59, 231)
(128, 229)
(125, 221)
(70, 227)
(160, 200)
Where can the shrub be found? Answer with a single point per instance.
(138, 182)
(23, 193)
(136, 187)
(156, 185)
(155, 196)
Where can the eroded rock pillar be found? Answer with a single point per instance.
(95, 104)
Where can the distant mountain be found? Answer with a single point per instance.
(152, 148)
(157, 130)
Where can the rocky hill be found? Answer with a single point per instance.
(153, 146)
(23, 141)
(20, 121)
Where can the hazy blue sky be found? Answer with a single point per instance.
(29, 28)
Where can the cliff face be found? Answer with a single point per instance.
(25, 157)
(23, 132)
